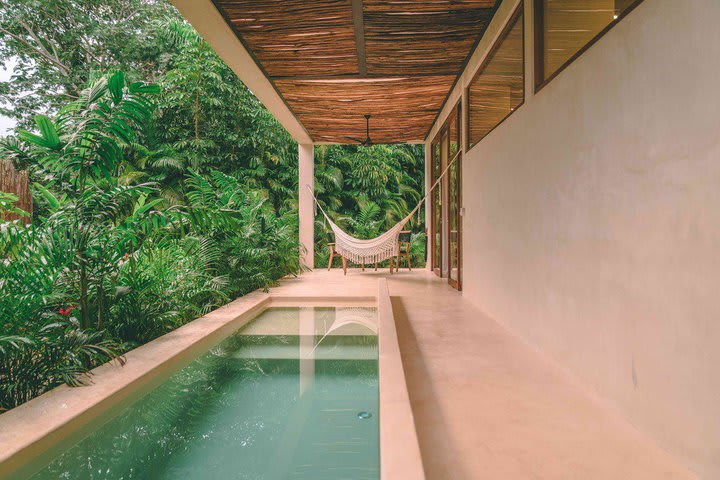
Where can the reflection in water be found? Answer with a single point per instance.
(255, 407)
(307, 349)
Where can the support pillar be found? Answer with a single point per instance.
(306, 206)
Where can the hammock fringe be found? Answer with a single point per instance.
(368, 251)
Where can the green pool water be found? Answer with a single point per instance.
(280, 399)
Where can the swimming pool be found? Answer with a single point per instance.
(291, 395)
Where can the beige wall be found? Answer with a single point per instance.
(592, 221)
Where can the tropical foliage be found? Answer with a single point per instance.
(105, 268)
(162, 189)
(58, 46)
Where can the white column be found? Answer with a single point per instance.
(306, 207)
(428, 212)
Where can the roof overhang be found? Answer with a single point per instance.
(320, 65)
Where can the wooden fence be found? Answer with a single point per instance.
(18, 183)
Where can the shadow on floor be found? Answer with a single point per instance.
(435, 442)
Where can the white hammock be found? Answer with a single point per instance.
(370, 251)
(376, 249)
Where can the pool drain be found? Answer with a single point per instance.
(364, 415)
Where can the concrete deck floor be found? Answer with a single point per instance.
(486, 405)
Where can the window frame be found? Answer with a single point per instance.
(458, 157)
(444, 196)
(509, 25)
(538, 51)
(435, 157)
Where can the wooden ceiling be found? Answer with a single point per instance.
(334, 61)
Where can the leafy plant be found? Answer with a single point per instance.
(154, 203)
(99, 220)
(58, 352)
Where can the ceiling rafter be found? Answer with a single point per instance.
(359, 27)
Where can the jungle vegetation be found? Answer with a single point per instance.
(162, 187)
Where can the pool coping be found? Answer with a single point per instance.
(399, 447)
(35, 429)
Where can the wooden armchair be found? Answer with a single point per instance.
(333, 253)
(404, 240)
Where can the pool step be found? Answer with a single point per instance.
(294, 352)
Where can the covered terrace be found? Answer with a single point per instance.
(582, 231)
(320, 67)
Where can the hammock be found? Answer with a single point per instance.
(376, 249)
(350, 316)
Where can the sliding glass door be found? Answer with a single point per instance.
(436, 209)
(444, 149)
(445, 205)
(454, 185)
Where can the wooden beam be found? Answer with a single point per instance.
(355, 76)
(359, 23)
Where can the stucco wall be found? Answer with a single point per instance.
(592, 221)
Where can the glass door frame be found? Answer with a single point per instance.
(457, 158)
(436, 202)
(441, 244)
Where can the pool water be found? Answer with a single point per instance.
(293, 395)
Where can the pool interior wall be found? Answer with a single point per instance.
(293, 394)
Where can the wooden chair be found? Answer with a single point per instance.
(404, 239)
(333, 253)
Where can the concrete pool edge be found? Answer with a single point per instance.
(399, 447)
(38, 429)
(41, 425)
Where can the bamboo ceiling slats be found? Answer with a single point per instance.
(401, 108)
(421, 43)
(413, 52)
(296, 37)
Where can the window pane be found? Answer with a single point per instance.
(499, 88)
(454, 132)
(569, 25)
(436, 207)
(454, 220)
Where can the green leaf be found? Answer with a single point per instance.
(31, 138)
(48, 196)
(48, 131)
(116, 82)
(140, 87)
(142, 207)
(48, 137)
(96, 91)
